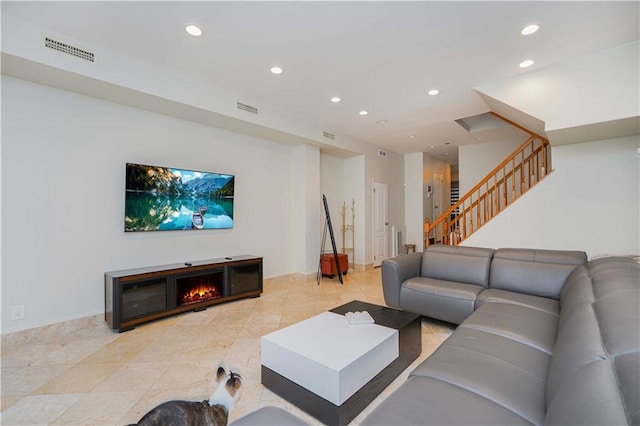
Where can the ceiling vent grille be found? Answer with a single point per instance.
(248, 108)
(69, 49)
(328, 135)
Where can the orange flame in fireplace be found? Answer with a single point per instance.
(200, 293)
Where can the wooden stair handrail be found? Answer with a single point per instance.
(519, 153)
(488, 177)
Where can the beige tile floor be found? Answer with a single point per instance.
(83, 373)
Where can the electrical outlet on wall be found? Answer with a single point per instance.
(17, 312)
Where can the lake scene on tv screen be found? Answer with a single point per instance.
(168, 199)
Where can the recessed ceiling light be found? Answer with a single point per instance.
(335, 99)
(193, 30)
(433, 92)
(529, 29)
(382, 122)
(276, 70)
(363, 112)
(526, 64)
(431, 146)
(411, 136)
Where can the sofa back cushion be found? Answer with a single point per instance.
(535, 272)
(469, 265)
(594, 375)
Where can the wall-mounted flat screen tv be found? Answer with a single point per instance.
(169, 199)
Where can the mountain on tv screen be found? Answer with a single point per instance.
(169, 199)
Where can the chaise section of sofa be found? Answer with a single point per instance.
(444, 281)
(568, 352)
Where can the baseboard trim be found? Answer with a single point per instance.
(54, 331)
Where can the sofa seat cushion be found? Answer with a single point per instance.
(579, 343)
(628, 366)
(492, 295)
(444, 300)
(522, 324)
(501, 370)
(269, 416)
(483, 344)
(425, 400)
(590, 397)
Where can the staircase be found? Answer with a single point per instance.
(518, 173)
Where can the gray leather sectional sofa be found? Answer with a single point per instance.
(544, 337)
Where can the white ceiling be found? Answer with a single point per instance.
(379, 56)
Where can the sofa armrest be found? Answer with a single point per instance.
(396, 271)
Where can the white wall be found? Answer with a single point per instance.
(413, 176)
(306, 195)
(63, 163)
(475, 161)
(332, 186)
(354, 189)
(593, 88)
(591, 202)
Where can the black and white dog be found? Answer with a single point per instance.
(212, 412)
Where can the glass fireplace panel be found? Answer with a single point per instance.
(244, 278)
(143, 298)
(199, 288)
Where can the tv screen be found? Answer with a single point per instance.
(168, 199)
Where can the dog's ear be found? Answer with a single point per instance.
(221, 374)
(227, 391)
(233, 384)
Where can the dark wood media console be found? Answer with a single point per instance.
(136, 296)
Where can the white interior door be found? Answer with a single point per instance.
(380, 223)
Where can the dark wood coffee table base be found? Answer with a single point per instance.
(410, 341)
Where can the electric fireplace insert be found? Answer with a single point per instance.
(199, 288)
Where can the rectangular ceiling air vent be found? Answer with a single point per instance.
(248, 108)
(69, 49)
(328, 135)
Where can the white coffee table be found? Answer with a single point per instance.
(332, 369)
